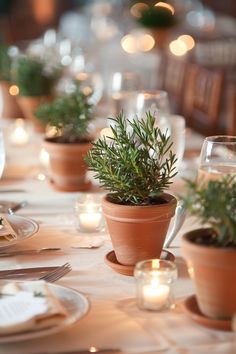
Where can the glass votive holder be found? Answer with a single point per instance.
(88, 213)
(154, 280)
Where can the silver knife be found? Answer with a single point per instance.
(28, 252)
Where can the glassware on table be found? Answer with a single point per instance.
(217, 158)
(91, 85)
(88, 213)
(154, 280)
(124, 86)
(156, 102)
(177, 126)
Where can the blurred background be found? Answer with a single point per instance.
(185, 47)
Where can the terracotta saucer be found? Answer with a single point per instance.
(83, 187)
(191, 308)
(111, 261)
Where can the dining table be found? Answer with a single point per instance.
(113, 320)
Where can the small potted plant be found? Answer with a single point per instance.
(35, 83)
(136, 165)
(70, 115)
(159, 20)
(10, 106)
(211, 252)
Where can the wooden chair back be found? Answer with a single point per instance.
(173, 81)
(231, 110)
(202, 99)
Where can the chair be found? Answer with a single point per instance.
(231, 110)
(202, 99)
(173, 81)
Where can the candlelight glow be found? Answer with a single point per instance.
(14, 90)
(145, 43)
(137, 42)
(128, 43)
(188, 41)
(87, 90)
(178, 47)
(137, 8)
(155, 263)
(19, 135)
(166, 6)
(82, 76)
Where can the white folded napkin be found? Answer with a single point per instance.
(7, 233)
(29, 306)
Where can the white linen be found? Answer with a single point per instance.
(114, 319)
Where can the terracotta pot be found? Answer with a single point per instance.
(28, 106)
(213, 270)
(161, 37)
(67, 165)
(138, 232)
(11, 108)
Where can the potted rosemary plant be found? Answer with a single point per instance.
(136, 166)
(70, 116)
(10, 106)
(159, 20)
(211, 252)
(35, 83)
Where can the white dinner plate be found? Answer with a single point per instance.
(23, 227)
(76, 304)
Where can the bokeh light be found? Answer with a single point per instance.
(128, 43)
(14, 90)
(178, 47)
(188, 40)
(145, 43)
(137, 8)
(166, 6)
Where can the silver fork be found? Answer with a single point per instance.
(57, 273)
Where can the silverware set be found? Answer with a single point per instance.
(49, 274)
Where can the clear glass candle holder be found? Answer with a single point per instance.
(154, 280)
(88, 213)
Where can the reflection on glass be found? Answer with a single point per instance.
(217, 158)
(124, 86)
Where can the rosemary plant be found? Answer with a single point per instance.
(32, 77)
(136, 163)
(69, 114)
(214, 204)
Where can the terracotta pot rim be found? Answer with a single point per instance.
(49, 142)
(200, 247)
(169, 198)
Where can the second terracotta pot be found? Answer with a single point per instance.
(213, 270)
(67, 166)
(138, 232)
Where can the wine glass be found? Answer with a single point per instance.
(91, 85)
(217, 158)
(124, 87)
(156, 102)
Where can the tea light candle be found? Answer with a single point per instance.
(154, 279)
(155, 295)
(19, 135)
(90, 221)
(89, 213)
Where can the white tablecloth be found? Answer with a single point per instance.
(113, 319)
